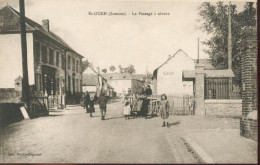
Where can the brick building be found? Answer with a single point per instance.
(54, 67)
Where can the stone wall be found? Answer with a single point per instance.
(228, 108)
(248, 123)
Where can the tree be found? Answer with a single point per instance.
(129, 69)
(214, 21)
(85, 64)
(104, 70)
(112, 68)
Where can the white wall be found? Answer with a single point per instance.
(11, 59)
(169, 78)
(120, 86)
(89, 88)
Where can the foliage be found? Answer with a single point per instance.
(104, 70)
(85, 64)
(214, 21)
(112, 68)
(129, 69)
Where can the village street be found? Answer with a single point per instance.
(72, 136)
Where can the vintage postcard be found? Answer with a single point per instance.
(128, 81)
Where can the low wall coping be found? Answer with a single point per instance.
(220, 101)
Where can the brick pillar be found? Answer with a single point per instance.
(199, 89)
(248, 122)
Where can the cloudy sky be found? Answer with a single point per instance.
(141, 40)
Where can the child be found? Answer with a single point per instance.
(127, 108)
(164, 109)
(134, 104)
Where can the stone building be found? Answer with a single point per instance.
(125, 82)
(167, 78)
(54, 67)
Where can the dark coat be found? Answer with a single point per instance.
(148, 92)
(87, 98)
(102, 101)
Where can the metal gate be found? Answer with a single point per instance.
(179, 105)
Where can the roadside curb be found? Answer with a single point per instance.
(200, 153)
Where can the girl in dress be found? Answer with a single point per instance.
(127, 108)
(164, 109)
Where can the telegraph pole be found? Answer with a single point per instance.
(230, 50)
(25, 83)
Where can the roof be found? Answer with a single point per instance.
(123, 76)
(207, 64)
(180, 50)
(89, 80)
(190, 74)
(11, 24)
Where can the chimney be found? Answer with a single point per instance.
(45, 25)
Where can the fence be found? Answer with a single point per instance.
(179, 105)
(218, 88)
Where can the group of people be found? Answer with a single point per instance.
(89, 103)
(134, 105)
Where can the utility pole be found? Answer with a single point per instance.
(25, 84)
(230, 82)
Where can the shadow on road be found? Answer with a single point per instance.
(175, 123)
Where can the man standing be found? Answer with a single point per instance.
(87, 100)
(102, 101)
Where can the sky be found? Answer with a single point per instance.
(142, 40)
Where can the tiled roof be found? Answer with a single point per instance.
(189, 74)
(123, 76)
(11, 24)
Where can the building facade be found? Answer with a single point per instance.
(54, 67)
(167, 78)
(125, 82)
(93, 82)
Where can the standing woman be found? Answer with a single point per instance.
(164, 109)
(87, 100)
(91, 104)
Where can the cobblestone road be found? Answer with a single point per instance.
(71, 136)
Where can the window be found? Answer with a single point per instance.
(77, 85)
(77, 66)
(69, 83)
(51, 55)
(69, 61)
(37, 51)
(80, 85)
(63, 61)
(58, 85)
(38, 82)
(44, 54)
(73, 64)
(57, 59)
